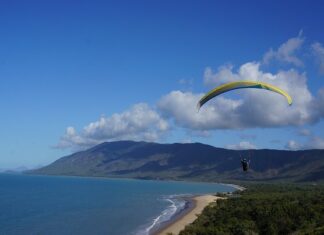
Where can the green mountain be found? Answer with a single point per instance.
(192, 161)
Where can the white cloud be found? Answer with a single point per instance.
(248, 71)
(314, 142)
(286, 52)
(293, 145)
(318, 51)
(186, 141)
(181, 106)
(257, 108)
(138, 123)
(224, 74)
(71, 139)
(241, 146)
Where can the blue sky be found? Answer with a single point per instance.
(78, 73)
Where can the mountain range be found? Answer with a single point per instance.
(190, 161)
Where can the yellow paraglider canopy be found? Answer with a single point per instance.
(239, 85)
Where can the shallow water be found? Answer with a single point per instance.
(75, 205)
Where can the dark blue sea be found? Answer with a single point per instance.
(75, 205)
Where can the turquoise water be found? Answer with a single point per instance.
(75, 205)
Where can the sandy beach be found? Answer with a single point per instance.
(200, 202)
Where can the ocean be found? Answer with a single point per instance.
(78, 205)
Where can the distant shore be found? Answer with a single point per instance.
(238, 187)
(195, 205)
(189, 216)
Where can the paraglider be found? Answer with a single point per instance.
(240, 85)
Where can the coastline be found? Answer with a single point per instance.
(188, 215)
(194, 206)
(238, 187)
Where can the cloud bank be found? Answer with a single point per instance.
(243, 145)
(140, 122)
(313, 142)
(286, 52)
(239, 109)
(255, 108)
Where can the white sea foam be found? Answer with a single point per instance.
(177, 203)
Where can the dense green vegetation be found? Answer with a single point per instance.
(265, 209)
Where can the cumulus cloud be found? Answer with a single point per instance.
(256, 108)
(253, 109)
(286, 52)
(314, 142)
(224, 74)
(186, 141)
(181, 107)
(241, 146)
(138, 123)
(71, 139)
(293, 145)
(248, 71)
(318, 52)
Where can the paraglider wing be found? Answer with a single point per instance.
(239, 85)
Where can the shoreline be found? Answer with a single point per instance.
(238, 187)
(179, 220)
(188, 215)
(112, 177)
(189, 205)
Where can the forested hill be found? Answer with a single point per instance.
(193, 161)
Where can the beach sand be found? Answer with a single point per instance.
(200, 202)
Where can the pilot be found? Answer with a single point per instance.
(245, 164)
